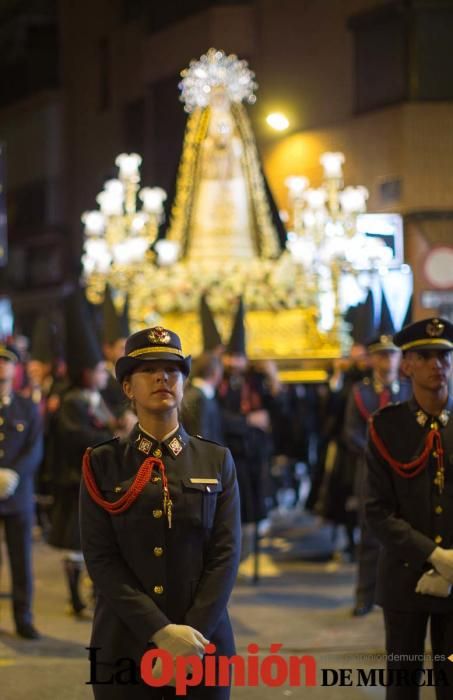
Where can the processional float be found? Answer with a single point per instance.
(224, 239)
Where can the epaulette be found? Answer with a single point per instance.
(213, 442)
(106, 442)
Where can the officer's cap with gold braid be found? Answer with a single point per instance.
(382, 343)
(9, 352)
(429, 334)
(151, 344)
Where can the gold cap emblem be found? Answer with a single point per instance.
(435, 328)
(159, 335)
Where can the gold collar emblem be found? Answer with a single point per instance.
(421, 418)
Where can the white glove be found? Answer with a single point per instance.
(442, 560)
(9, 480)
(178, 640)
(432, 583)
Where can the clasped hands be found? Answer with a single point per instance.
(178, 640)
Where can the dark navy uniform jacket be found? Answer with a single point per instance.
(21, 449)
(147, 575)
(409, 516)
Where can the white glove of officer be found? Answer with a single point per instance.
(9, 480)
(442, 560)
(178, 640)
(432, 583)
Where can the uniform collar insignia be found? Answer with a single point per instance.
(175, 446)
(144, 444)
(444, 417)
(148, 445)
(421, 417)
(177, 442)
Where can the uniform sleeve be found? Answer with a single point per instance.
(381, 508)
(112, 576)
(222, 558)
(29, 459)
(354, 428)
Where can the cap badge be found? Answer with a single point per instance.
(159, 335)
(435, 328)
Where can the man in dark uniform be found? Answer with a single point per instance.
(366, 397)
(409, 508)
(200, 411)
(21, 450)
(163, 554)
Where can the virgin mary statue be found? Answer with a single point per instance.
(222, 210)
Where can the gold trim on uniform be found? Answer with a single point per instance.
(202, 480)
(442, 343)
(155, 348)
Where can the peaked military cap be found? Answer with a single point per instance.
(382, 343)
(151, 344)
(429, 334)
(9, 352)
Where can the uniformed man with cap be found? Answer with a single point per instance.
(409, 507)
(367, 396)
(21, 449)
(160, 525)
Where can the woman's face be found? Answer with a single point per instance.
(155, 386)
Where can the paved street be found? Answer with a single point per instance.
(303, 601)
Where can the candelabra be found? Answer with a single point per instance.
(324, 237)
(119, 234)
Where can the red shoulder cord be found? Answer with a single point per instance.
(407, 470)
(384, 400)
(141, 479)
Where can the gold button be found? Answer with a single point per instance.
(158, 590)
(1, 421)
(20, 427)
(438, 539)
(435, 454)
(157, 453)
(157, 513)
(438, 510)
(117, 489)
(434, 425)
(155, 479)
(2, 453)
(2, 437)
(158, 551)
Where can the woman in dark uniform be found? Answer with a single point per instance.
(160, 525)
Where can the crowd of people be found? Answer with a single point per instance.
(52, 408)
